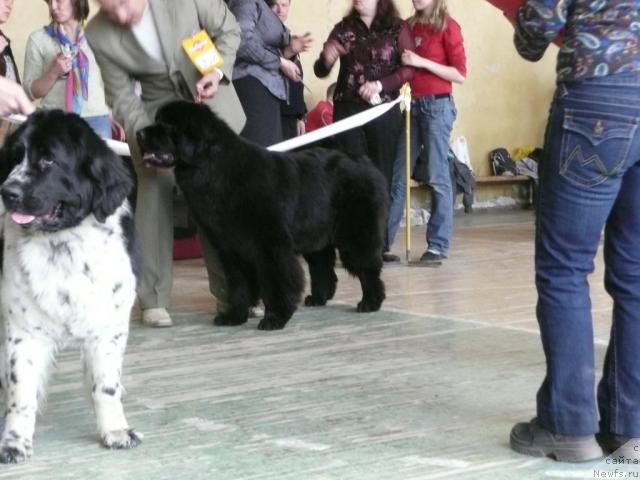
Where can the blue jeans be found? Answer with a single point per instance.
(590, 180)
(431, 123)
(101, 124)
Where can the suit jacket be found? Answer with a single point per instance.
(123, 62)
(3, 63)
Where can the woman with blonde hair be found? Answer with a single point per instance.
(439, 60)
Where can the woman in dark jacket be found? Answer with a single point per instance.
(8, 66)
(262, 62)
(293, 110)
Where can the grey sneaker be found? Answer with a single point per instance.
(529, 438)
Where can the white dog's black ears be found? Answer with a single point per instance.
(111, 180)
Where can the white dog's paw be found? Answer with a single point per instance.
(119, 439)
(14, 451)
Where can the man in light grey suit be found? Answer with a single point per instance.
(141, 41)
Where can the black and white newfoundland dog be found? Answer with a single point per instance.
(260, 209)
(67, 274)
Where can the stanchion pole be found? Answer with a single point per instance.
(406, 93)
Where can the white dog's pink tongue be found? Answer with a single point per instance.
(22, 218)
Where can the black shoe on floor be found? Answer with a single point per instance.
(389, 257)
(529, 438)
(621, 445)
(432, 259)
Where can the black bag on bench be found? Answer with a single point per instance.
(502, 163)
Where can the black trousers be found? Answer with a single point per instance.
(262, 110)
(289, 127)
(377, 139)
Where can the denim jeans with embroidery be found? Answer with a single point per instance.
(431, 123)
(590, 181)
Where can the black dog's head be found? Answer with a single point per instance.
(183, 133)
(57, 171)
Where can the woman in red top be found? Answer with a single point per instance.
(439, 59)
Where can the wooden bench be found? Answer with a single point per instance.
(498, 180)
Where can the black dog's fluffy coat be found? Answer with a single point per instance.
(260, 209)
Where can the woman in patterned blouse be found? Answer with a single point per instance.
(369, 42)
(589, 182)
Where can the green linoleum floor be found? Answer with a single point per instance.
(335, 396)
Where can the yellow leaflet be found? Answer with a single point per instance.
(202, 52)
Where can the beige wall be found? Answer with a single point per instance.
(504, 101)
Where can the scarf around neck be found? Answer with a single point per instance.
(77, 83)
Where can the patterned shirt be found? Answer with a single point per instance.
(372, 54)
(601, 37)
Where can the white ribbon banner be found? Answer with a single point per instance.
(122, 149)
(337, 127)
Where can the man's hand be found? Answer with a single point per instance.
(207, 86)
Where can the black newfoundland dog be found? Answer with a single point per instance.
(260, 209)
(68, 272)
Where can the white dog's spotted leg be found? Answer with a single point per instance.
(26, 364)
(103, 366)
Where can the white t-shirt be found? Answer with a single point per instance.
(146, 33)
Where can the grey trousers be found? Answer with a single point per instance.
(154, 226)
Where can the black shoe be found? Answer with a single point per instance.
(430, 258)
(389, 257)
(626, 446)
(529, 438)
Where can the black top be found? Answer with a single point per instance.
(296, 106)
(6, 56)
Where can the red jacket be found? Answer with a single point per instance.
(445, 47)
(320, 116)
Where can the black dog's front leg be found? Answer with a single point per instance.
(281, 283)
(238, 293)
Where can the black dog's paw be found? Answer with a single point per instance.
(272, 322)
(122, 439)
(367, 305)
(315, 301)
(11, 452)
(229, 319)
